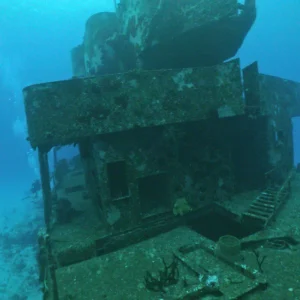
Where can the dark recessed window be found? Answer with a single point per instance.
(154, 194)
(117, 179)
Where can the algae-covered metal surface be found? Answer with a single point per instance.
(145, 21)
(66, 111)
(280, 95)
(162, 34)
(279, 100)
(273, 95)
(126, 268)
(177, 34)
(197, 272)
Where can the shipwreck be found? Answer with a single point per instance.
(181, 154)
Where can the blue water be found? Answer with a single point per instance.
(35, 42)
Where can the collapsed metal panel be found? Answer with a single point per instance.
(164, 20)
(159, 34)
(65, 112)
(177, 34)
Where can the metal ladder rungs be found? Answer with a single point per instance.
(259, 213)
(250, 215)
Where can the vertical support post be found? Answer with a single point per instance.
(91, 175)
(55, 160)
(45, 180)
